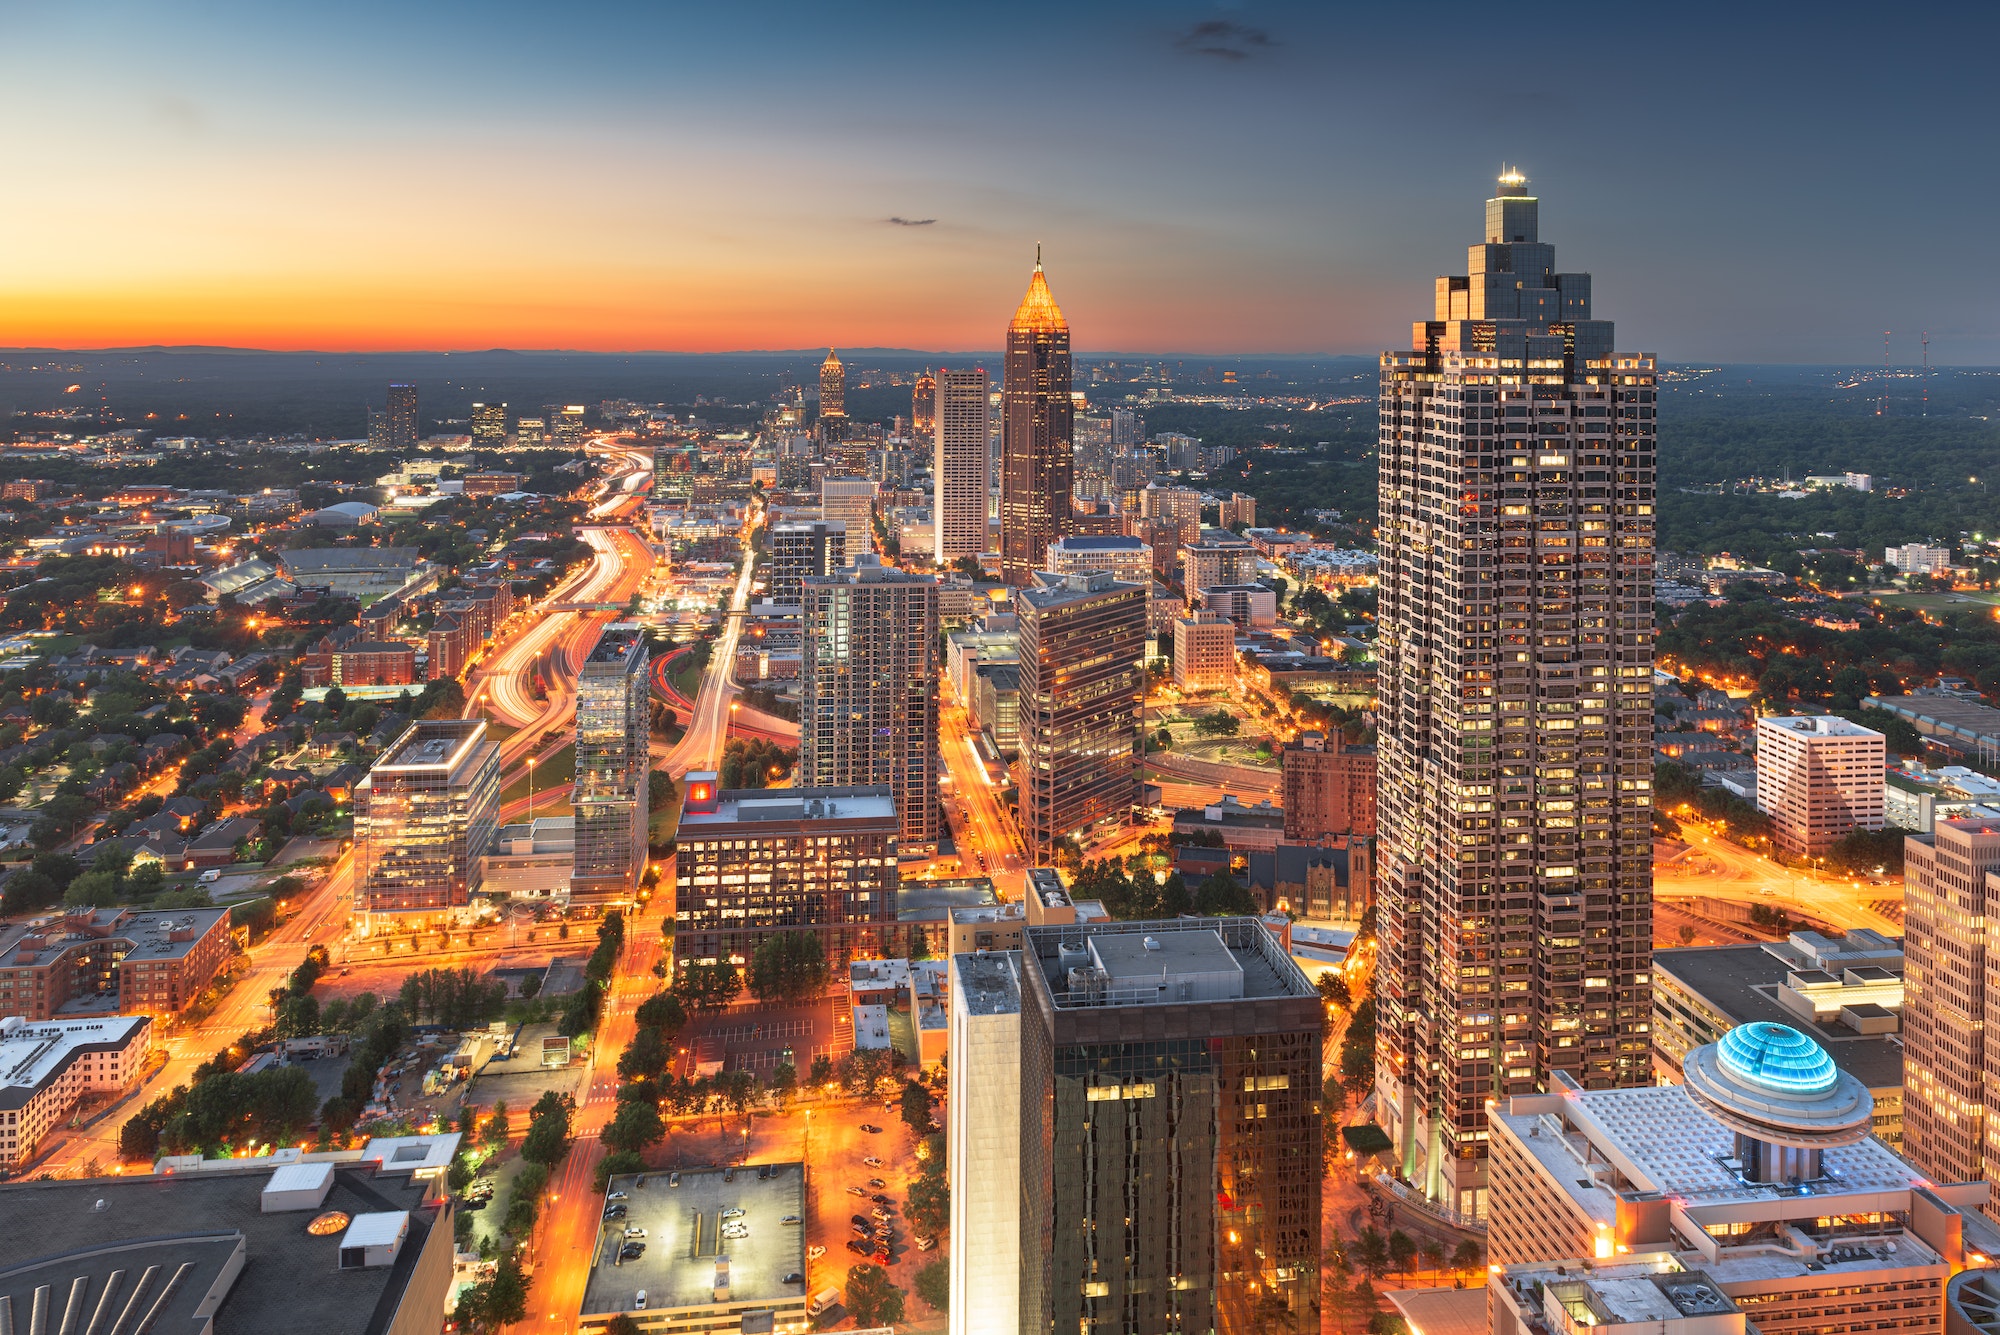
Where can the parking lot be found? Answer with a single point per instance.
(686, 1247)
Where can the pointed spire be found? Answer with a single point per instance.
(1038, 257)
(1038, 309)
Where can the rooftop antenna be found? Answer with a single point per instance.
(1882, 399)
(1927, 373)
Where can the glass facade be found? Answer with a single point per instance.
(613, 730)
(422, 819)
(1080, 688)
(1037, 428)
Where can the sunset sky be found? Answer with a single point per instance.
(1203, 178)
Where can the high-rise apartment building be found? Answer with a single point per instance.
(1951, 1074)
(757, 862)
(1329, 787)
(489, 426)
(983, 1141)
(1180, 506)
(959, 479)
(832, 399)
(1037, 466)
(1516, 658)
(610, 795)
(923, 406)
(422, 819)
(1126, 428)
(1170, 1159)
(401, 430)
(869, 675)
(802, 548)
(1127, 558)
(1759, 1173)
(1204, 651)
(850, 501)
(1819, 779)
(1217, 559)
(1082, 641)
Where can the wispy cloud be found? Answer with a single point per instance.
(1224, 40)
(913, 222)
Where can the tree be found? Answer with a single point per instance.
(708, 987)
(495, 1133)
(621, 1324)
(1433, 1253)
(1217, 723)
(547, 1141)
(871, 1299)
(660, 788)
(1221, 897)
(820, 1074)
(788, 966)
(928, 1206)
(635, 1126)
(1333, 988)
(662, 1012)
(1467, 1255)
(1402, 1252)
(933, 1284)
(1371, 1253)
(916, 1108)
(645, 1057)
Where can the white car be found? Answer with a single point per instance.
(872, 1161)
(635, 1232)
(733, 1212)
(639, 1299)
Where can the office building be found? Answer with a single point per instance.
(1759, 1172)
(265, 1244)
(1514, 884)
(1037, 466)
(154, 962)
(613, 763)
(1177, 507)
(832, 400)
(803, 548)
(1951, 893)
(1918, 558)
(1082, 639)
(1846, 994)
(531, 433)
(400, 427)
(422, 819)
(755, 863)
(924, 407)
(1169, 1143)
(1215, 559)
(1329, 786)
(983, 1142)
(1204, 651)
(1250, 606)
(1653, 1292)
(46, 1066)
(1819, 779)
(960, 464)
(489, 426)
(869, 676)
(850, 502)
(1129, 560)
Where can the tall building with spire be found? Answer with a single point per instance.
(832, 399)
(923, 406)
(960, 464)
(1515, 746)
(1037, 467)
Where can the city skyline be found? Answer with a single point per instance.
(1223, 218)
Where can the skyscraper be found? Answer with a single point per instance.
(923, 406)
(804, 547)
(401, 429)
(489, 425)
(1515, 745)
(832, 399)
(1037, 468)
(850, 502)
(870, 680)
(1082, 639)
(422, 819)
(612, 759)
(959, 466)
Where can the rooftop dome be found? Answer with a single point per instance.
(1777, 1059)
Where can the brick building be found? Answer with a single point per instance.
(1329, 787)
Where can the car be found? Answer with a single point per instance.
(729, 1175)
(794, 1278)
(615, 1212)
(856, 1191)
(880, 1198)
(877, 1183)
(925, 1242)
(880, 1256)
(632, 1251)
(861, 1230)
(858, 1247)
(791, 1219)
(639, 1299)
(880, 1212)
(871, 1128)
(614, 1196)
(872, 1161)
(478, 1203)
(635, 1232)
(733, 1212)
(861, 1221)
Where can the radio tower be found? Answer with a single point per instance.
(1927, 373)
(1882, 399)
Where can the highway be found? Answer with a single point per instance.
(700, 748)
(1713, 868)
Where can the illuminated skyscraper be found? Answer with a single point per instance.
(1515, 746)
(610, 794)
(832, 399)
(958, 468)
(870, 679)
(489, 425)
(422, 819)
(923, 406)
(1082, 639)
(1037, 468)
(402, 431)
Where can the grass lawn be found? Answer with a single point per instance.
(557, 770)
(665, 823)
(1937, 602)
(686, 677)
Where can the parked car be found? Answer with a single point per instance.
(639, 1299)
(863, 1220)
(877, 1183)
(871, 1128)
(791, 1219)
(814, 1253)
(794, 1278)
(856, 1191)
(615, 1212)
(635, 1232)
(733, 1212)
(861, 1230)
(872, 1161)
(925, 1242)
(614, 1196)
(858, 1247)
(736, 1231)
(880, 1198)
(880, 1212)
(632, 1251)
(674, 1178)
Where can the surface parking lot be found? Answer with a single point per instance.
(684, 1239)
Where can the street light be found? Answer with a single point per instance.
(531, 790)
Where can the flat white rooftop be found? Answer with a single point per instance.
(31, 1055)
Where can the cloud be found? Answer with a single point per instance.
(913, 222)
(1224, 40)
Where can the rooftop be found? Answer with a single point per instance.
(1197, 960)
(988, 982)
(795, 805)
(1744, 982)
(687, 1263)
(1099, 542)
(432, 744)
(31, 1055)
(1817, 725)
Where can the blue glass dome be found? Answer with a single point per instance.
(1778, 1059)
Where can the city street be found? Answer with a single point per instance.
(1710, 867)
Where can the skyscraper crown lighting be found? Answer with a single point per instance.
(1038, 309)
(1778, 1059)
